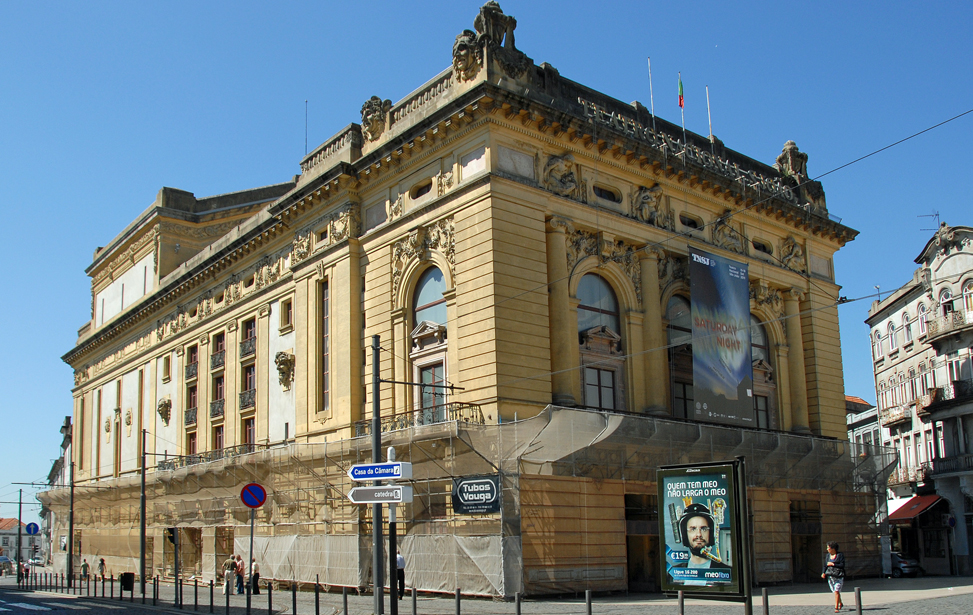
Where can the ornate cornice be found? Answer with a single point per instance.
(436, 236)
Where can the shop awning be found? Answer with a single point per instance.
(912, 509)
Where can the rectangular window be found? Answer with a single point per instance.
(250, 329)
(218, 389)
(286, 314)
(81, 434)
(432, 396)
(249, 435)
(760, 406)
(191, 443)
(217, 437)
(166, 368)
(325, 348)
(599, 388)
(192, 354)
(682, 400)
(191, 401)
(219, 342)
(249, 379)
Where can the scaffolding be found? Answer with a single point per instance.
(577, 509)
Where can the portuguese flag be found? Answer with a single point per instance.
(681, 105)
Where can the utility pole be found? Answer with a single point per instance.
(142, 524)
(377, 563)
(70, 566)
(20, 508)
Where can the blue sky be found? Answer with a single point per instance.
(102, 104)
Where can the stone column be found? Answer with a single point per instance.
(797, 376)
(563, 332)
(656, 374)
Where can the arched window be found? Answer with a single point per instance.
(598, 304)
(907, 327)
(913, 383)
(679, 335)
(893, 344)
(892, 394)
(883, 402)
(946, 301)
(922, 319)
(599, 333)
(764, 383)
(968, 298)
(429, 303)
(877, 345)
(428, 348)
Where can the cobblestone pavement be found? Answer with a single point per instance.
(937, 595)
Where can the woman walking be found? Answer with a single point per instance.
(834, 572)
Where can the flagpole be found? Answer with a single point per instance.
(651, 98)
(682, 110)
(709, 116)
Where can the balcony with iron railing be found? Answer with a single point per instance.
(918, 474)
(894, 415)
(191, 460)
(248, 399)
(190, 416)
(217, 359)
(456, 411)
(949, 324)
(191, 370)
(248, 347)
(953, 465)
(216, 408)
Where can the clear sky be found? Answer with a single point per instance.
(104, 103)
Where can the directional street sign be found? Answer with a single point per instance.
(380, 495)
(253, 495)
(32, 528)
(392, 470)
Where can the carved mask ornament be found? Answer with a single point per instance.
(373, 114)
(467, 56)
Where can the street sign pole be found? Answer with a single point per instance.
(142, 524)
(253, 497)
(20, 506)
(377, 566)
(250, 561)
(393, 572)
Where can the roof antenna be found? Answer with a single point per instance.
(934, 214)
(878, 289)
(305, 127)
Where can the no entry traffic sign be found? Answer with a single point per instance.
(253, 496)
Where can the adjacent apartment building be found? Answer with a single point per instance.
(921, 337)
(497, 263)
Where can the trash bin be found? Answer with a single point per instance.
(127, 581)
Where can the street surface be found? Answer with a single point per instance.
(939, 595)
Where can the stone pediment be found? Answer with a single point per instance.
(428, 334)
(601, 339)
(762, 365)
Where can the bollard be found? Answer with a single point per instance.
(517, 602)
(270, 598)
(682, 604)
(344, 599)
(457, 601)
(228, 592)
(763, 593)
(155, 590)
(414, 605)
(294, 597)
(102, 586)
(587, 600)
(211, 596)
(87, 588)
(179, 594)
(317, 592)
(858, 600)
(195, 594)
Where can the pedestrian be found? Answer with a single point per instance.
(101, 568)
(239, 574)
(254, 576)
(84, 570)
(834, 572)
(400, 572)
(229, 570)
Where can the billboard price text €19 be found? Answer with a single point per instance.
(698, 529)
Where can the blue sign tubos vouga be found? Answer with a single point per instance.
(476, 495)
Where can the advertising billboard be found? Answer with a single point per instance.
(476, 495)
(722, 364)
(698, 526)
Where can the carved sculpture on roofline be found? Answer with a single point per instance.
(496, 30)
(374, 117)
(467, 56)
(792, 165)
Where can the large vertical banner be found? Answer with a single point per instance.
(722, 368)
(698, 520)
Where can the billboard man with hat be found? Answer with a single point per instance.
(698, 531)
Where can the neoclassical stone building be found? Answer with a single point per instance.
(519, 244)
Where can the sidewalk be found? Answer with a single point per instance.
(891, 595)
